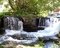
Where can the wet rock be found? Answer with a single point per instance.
(2, 31)
(19, 37)
(29, 27)
(9, 44)
(51, 45)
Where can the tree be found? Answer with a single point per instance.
(1, 1)
(23, 7)
(33, 7)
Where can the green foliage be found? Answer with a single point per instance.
(1, 46)
(33, 7)
(1, 1)
(6, 14)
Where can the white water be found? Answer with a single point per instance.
(50, 32)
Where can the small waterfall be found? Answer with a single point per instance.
(20, 25)
(14, 31)
(12, 23)
(44, 22)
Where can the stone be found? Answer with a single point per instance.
(51, 45)
(9, 44)
(19, 46)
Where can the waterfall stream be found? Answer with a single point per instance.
(14, 31)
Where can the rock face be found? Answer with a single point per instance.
(36, 24)
(2, 31)
(29, 27)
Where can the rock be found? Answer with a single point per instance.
(19, 37)
(2, 31)
(9, 44)
(29, 27)
(51, 45)
(19, 46)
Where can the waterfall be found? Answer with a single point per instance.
(14, 31)
(44, 22)
(12, 23)
(20, 25)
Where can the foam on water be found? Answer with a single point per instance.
(51, 31)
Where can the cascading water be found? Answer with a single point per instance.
(11, 23)
(14, 31)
